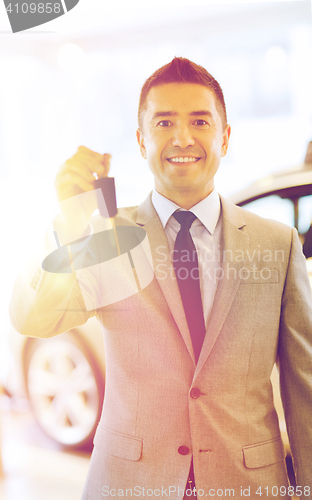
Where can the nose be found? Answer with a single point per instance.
(182, 137)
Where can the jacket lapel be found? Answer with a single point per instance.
(234, 241)
(147, 217)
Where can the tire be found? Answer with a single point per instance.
(65, 388)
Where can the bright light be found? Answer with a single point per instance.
(70, 57)
(275, 57)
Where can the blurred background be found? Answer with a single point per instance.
(76, 80)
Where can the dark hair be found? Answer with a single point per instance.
(181, 70)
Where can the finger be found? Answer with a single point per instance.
(87, 151)
(101, 158)
(83, 167)
(80, 168)
(98, 164)
(73, 180)
(76, 175)
(106, 162)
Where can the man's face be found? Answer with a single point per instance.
(182, 139)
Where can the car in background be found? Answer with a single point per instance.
(287, 197)
(63, 378)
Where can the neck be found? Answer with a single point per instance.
(185, 200)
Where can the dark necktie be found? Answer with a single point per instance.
(185, 263)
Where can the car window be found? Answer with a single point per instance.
(305, 213)
(273, 207)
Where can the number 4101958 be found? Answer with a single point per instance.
(33, 8)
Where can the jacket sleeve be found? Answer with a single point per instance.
(295, 363)
(44, 304)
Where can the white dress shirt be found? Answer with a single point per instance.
(206, 232)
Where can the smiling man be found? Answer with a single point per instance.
(183, 137)
(188, 407)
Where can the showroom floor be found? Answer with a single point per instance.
(33, 467)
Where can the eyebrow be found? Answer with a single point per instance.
(164, 113)
(202, 112)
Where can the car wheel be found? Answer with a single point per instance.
(65, 388)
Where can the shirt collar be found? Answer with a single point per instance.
(207, 211)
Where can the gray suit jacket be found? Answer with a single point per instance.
(160, 408)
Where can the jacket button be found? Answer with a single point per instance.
(184, 450)
(195, 393)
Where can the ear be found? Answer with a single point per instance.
(140, 140)
(225, 140)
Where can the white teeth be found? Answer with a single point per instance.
(182, 159)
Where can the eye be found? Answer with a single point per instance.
(164, 123)
(201, 123)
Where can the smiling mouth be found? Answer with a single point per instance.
(183, 159)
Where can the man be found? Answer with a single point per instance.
(181, 410)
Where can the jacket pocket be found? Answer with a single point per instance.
(117, 444)
(263, 454)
